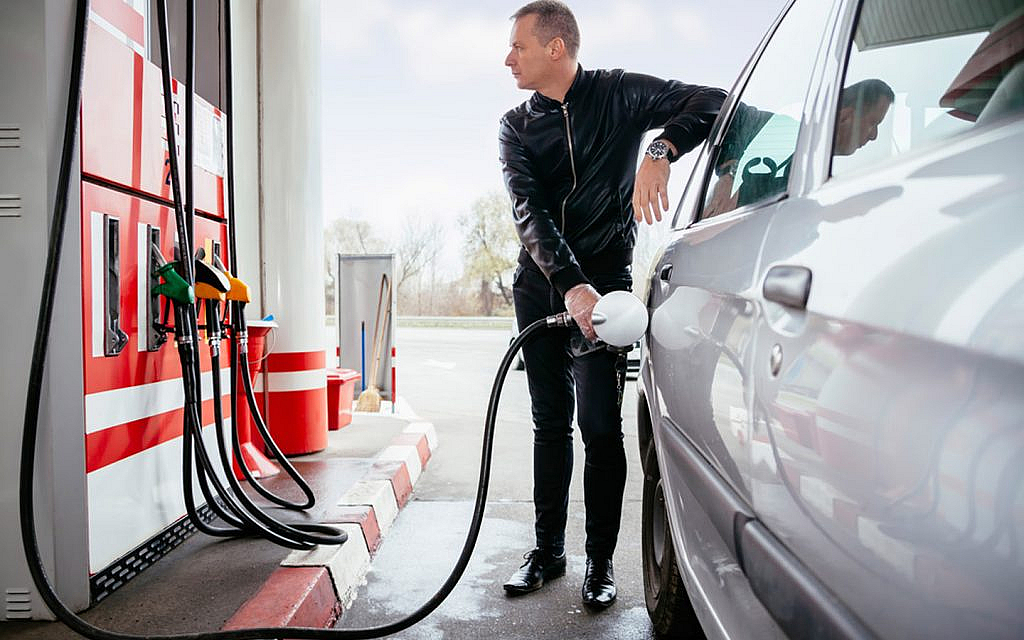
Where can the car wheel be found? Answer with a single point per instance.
(667, 603)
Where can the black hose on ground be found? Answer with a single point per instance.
(309, 533)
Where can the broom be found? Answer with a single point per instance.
(369, 399)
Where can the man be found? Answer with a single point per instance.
(568, 156)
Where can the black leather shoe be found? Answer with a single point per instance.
(599, 583)
(539, 566)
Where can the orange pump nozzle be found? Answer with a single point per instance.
(238, 291)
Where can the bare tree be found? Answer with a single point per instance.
(343, 235)
(490, 248)
(417, 248)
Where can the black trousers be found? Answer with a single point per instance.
(558, 380)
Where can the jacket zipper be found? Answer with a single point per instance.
(572, 162)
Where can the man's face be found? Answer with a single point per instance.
(853, 131)
(528, 59)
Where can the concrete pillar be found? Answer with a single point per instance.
(245, 122)
(293, 221)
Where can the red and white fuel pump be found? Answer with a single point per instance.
(108, 481)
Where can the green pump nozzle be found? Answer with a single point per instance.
(173, 286)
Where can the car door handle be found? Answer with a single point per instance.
(788, 285)
(666, 272)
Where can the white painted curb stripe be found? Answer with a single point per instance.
(378, 494)
(427, 429)
(348, 564)
(408, 454)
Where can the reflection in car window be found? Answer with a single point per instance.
(925, 70)
(753, 162)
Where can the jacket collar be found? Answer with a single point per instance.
(541, 102)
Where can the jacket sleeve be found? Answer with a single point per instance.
(685, 111)
(534, 215)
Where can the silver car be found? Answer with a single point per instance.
(832, 389)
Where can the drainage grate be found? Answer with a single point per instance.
(134, 562)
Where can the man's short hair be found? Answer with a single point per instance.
(554, 20)
(866, 94)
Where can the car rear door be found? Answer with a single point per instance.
(888, 362)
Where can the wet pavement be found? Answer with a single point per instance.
(446, 376)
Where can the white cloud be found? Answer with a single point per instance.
(444, 47)
(690, 25)
(355, 26)
(615, 26)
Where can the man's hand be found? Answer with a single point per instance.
(579, 302)
(650, 191)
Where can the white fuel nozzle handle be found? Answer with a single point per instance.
(619, 318)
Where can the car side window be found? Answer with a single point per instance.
(752, 164)
(920, 72)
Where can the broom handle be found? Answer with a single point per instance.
(376, 315)
(378, 337)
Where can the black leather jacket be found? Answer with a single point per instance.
(569, 166)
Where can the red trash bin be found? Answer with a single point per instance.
(341, 384)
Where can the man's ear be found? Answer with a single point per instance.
(556, 48)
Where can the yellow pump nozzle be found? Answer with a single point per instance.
(239, 290)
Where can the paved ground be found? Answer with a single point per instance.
(446, 375)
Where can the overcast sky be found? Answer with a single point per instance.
(413, 90)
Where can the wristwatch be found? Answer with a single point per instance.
(658, 150)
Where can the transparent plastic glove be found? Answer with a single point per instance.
(579, 302)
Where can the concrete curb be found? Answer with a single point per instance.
(312, 588)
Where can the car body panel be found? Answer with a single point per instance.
(701, 331)
(720, 592)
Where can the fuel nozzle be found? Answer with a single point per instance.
(239, 291)
(211, 283)
(619, 319)
(173, 286)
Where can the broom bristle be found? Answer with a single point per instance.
(369, 400)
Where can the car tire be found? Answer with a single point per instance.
(668, 604)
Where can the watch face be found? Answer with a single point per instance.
(657, 150)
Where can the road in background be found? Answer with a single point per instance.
(446, 377)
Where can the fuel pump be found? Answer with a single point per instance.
(235, 507)
(619, 320)
(212, 285)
